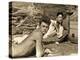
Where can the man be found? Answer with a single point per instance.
(34, 40)
(56, 32)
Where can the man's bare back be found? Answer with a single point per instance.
(32, 41)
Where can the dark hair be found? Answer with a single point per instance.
(45, 19)
(60, 13)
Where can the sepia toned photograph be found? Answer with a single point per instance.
(42, 30)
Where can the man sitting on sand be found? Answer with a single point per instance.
(56, 32)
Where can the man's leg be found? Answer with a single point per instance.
(54, 38)
(64, 37)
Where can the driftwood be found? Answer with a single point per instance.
(20, 13)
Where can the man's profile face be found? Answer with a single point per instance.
(44, 27)
(59, 18)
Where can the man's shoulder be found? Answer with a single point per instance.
(36, 33)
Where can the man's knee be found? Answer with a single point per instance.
(64, 37)
(65, 33)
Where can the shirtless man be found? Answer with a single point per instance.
(34, 40)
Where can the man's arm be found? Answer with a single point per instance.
(52, 30)
(39, 46)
